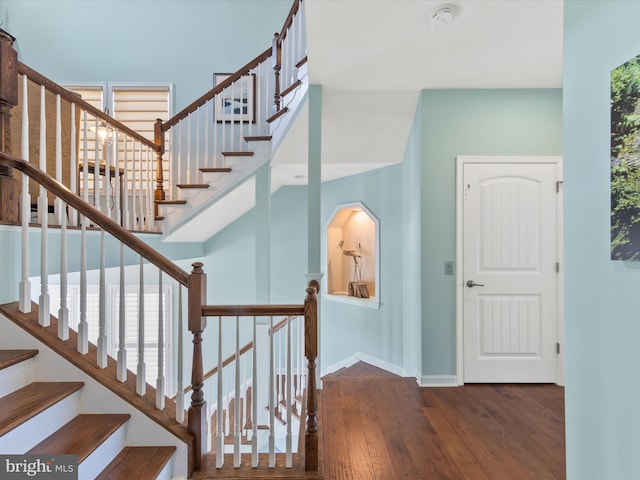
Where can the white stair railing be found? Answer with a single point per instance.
(232, 387)
(95, 163)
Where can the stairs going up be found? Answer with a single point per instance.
(42, 418)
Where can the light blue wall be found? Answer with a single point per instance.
(230, 255)
(349, 329)
(412, 248)
(179, 41)
(602, 323)
(468, 122)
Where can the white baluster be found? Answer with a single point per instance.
(63, 312)
(232, 123)
(188, 173)
(288, 398)
(150, 194)
(58, 203)
(254, 399)
(73, 166)
(141, 385)
(134, 187)
(207, 132)
(125, 182)
(44, 318)
(25, 210)
(117, 180)
(141, 189)
(96, 168)
(180, 173)
(237, 409)
(219, 433)
(101, 359)
(160, 380)
(83, 326)
(198, 162)
(214, 147)
(85, 163)
(107, 145)
(121, 373)
(180, 394)
(272, 399)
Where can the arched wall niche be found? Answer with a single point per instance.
(353, 255)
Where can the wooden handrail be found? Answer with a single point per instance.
(97, 217)
(251, 310)
(73, 98)
(278, 326)
(216, 90)
(287, 23)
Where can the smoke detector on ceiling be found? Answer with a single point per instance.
(442, 16)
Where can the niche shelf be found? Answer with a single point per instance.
(353, 256)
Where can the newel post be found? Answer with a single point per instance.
(158, 139)
(311, 352)
(8, 100)
(276, 58)
(197, 420)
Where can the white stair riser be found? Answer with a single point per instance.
(102, 456)
(16, 376)
(29, 434)
(165, 474)
(92, 398)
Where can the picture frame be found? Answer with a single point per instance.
(236, 103)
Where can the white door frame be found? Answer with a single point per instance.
(460, 162)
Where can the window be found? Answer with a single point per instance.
(131, 326)
(135, 105)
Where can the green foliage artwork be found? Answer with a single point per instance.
(625, 161)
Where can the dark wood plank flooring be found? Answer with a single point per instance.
(379, 426)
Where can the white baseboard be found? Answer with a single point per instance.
(363, 357)
(438, 381)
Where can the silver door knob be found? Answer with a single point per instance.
(471, 283)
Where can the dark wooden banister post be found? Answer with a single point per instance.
(158, 139)
(8, 100)
(197, 419)
(276, 56)
(311, 352)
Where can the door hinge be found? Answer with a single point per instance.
(557, 267)
(558, 347)
(558, 185)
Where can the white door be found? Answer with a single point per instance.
(509, 272)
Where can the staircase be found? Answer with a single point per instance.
(59, 392)
(47, 418)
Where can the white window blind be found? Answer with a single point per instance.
(131, 326)
(135, 105)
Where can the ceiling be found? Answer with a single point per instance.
(389, 44)
(373, 57)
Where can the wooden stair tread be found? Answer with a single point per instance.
(215, 169)
(263, 138)
(81, 436)
(277, 115)
(141, 463)
(106, 376)
(11, 357)
(170, 202)
(192, 185)
(237, 154)
(290, 88)
(27, 402)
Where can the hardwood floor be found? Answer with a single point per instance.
(379, 426)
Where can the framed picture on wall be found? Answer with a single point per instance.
(237, 102)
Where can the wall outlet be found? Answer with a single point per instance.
(448, 267)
